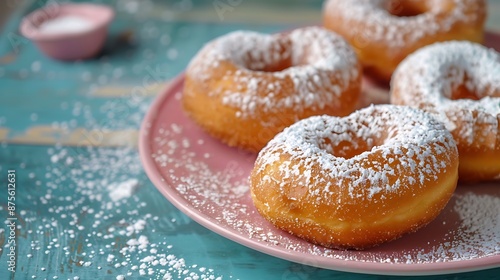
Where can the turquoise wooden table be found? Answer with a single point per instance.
(84, 208)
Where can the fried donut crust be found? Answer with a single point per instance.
(357, 181)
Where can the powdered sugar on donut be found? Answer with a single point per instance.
(396, 32)
(315, 54)
(428, 78)
(410, 141)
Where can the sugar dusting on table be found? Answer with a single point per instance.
(122, 190)
(106, 183)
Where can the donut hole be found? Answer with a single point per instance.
(274, 58)
(468, 89)
(406, 8)
(462, 92)
(347, 148)
(459, 79)
(284, 53)
(275, 65)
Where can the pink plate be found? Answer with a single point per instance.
(208, 181)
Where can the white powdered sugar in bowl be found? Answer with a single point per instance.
(67, 24)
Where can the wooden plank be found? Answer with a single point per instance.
(48, 135)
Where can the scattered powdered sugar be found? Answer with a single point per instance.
(373, 23)
(476, 236)
(103, 223)
(475, 211)
(125, 244)
(441, 69)
(122, 190)
(316, 58)
(66, 25)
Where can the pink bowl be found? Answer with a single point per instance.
(69, 45)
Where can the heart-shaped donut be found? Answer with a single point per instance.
(356, 181)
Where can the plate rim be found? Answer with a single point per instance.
(353, 266)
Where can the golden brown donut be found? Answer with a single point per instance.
(384, 32)
(245, 87)
(459, 82)
(356, 181)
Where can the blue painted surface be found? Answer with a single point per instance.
(69, 227)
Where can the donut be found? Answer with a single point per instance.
(357, 181)
(384, 32)
(458, 82)
(245, 87)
